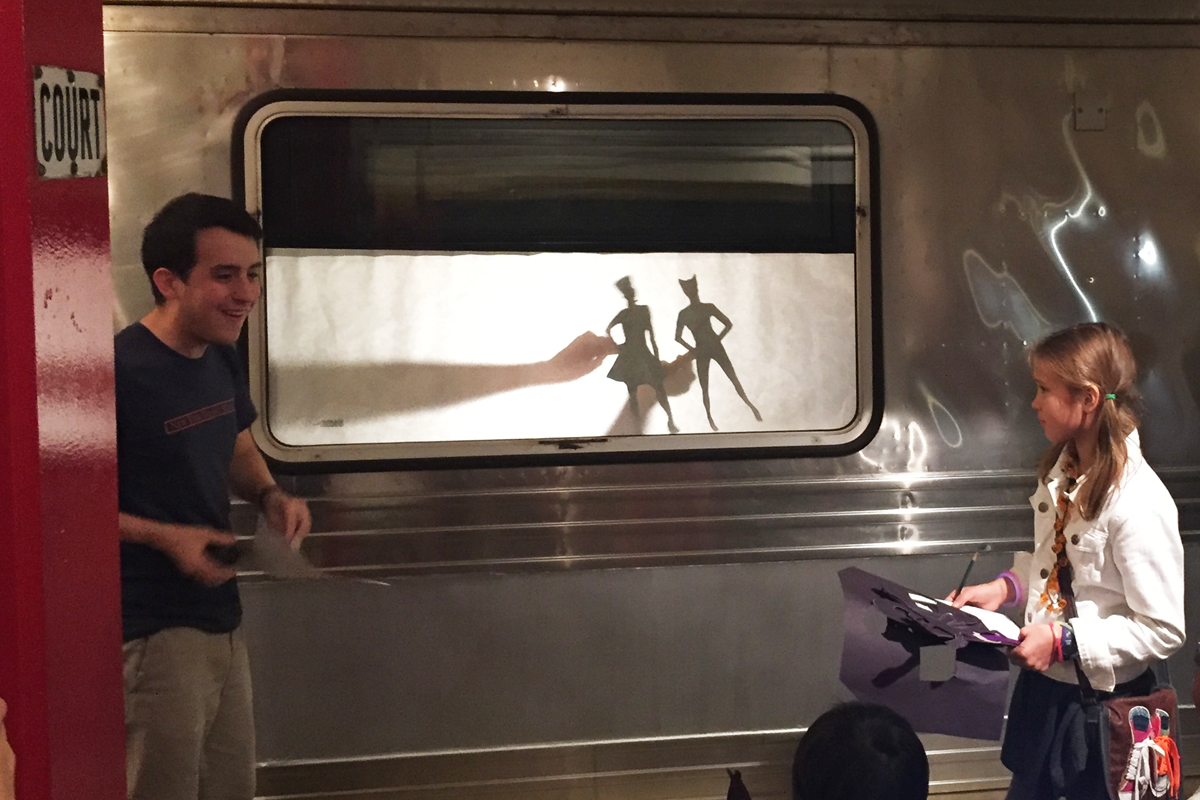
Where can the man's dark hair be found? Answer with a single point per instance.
(860, 751)
(169, 241)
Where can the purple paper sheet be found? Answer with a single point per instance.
(884, 631)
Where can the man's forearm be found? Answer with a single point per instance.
(141, 530)
(249, 477)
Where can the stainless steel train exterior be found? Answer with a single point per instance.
(559, 630)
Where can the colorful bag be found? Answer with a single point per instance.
(1136, 735)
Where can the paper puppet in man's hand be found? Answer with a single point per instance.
(938, 666)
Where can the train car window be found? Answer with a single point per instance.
(470, 281)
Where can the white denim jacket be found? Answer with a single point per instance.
(1128, 580)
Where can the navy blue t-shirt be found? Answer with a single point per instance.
(178, 419)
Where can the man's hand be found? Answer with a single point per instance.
(186, 546)
(582, 356)
(1036, 650)
(287, 515)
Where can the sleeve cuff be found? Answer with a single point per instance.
(1097, 665)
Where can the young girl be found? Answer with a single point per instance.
(1101, 513)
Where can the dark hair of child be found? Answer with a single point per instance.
(860, 751)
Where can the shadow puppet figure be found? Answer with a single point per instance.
(697, 318)
(636, 363)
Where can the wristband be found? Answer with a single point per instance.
(1018, 593)
(265, 492)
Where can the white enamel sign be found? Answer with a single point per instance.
(68, 123)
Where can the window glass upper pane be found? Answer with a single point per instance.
(548, 185)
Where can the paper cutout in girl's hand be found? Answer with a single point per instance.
(888, 629)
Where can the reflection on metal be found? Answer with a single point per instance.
(1048, 218)
(947, 426)
(1150, 139)
(1147, 251)
(904, 459)
(1001, 302)
(1073, 214)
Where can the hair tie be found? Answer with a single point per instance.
(1110, 397)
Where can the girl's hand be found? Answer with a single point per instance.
(1036, 650)
(989, 596)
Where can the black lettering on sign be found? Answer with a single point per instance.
(43, 98)
(85, 122)
(72, 121)
(95, 94)
(57, 106)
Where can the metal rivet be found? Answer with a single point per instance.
(1075, 539)
(906, 533)
(1042, 507)
(1045, 573)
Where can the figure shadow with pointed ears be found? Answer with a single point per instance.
(697, 317)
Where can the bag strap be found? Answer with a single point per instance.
(1066, 576)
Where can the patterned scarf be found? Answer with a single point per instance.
(1052, 597)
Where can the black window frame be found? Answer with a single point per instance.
(247, 186)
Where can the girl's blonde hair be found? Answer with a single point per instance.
(1095, 354)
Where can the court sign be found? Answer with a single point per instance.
(68, 123)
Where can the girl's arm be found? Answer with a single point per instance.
(1007, 589)
(1143, 540)
(989, 596)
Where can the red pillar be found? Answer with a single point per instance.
(60, 667)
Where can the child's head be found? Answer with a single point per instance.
(860, 751)
(1092, 365)
(1090, 355)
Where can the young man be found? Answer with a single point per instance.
(183, 443)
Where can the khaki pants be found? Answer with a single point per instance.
(189, 727)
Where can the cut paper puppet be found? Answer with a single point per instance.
(277, 557)
(942, 668)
